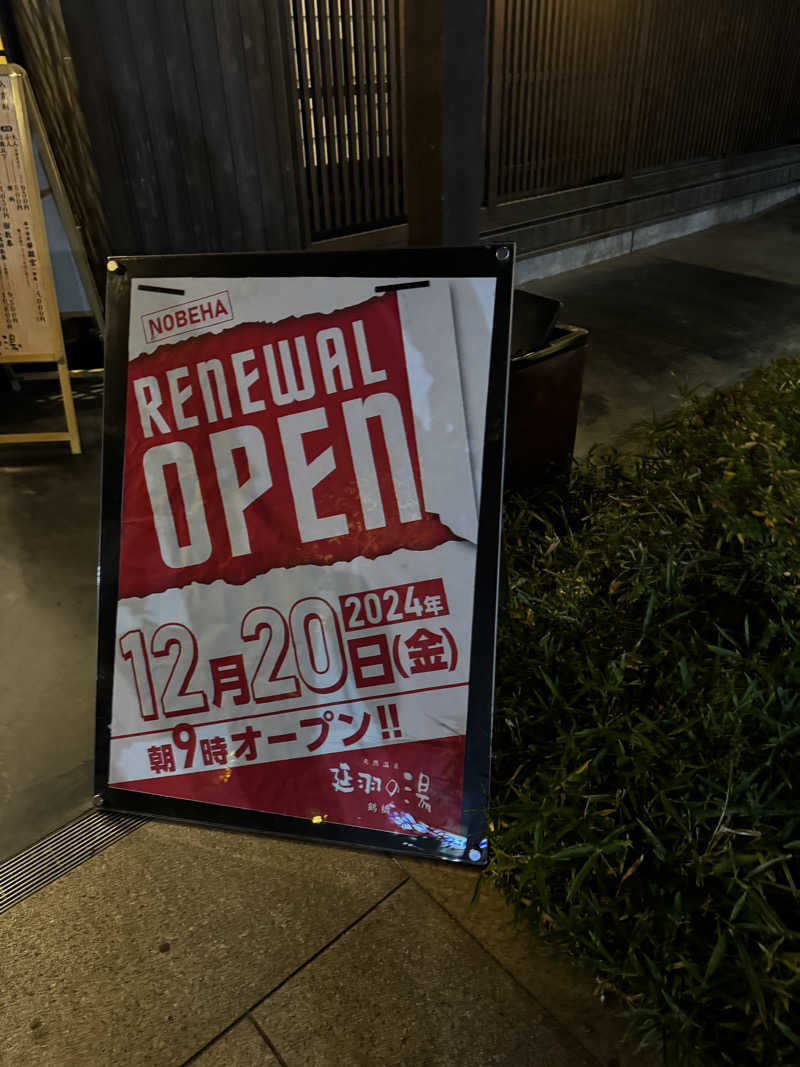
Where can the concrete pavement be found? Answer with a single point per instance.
(186, 945)
(695, 313)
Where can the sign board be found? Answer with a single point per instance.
(30, 326)
(301, 520)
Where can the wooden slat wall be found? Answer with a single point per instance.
(191, 114)
(347, 67)
(246, 124)
(582, 92)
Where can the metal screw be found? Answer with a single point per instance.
(97, 800)
(502, 253)
(114, 268)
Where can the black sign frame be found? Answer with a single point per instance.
(489, 261)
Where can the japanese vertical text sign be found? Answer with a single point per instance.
(302, 494)
(29, 320)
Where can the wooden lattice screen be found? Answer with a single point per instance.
(583, 92)
(347, 66)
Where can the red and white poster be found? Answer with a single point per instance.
(300, 499)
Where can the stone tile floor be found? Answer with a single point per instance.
(187, 945)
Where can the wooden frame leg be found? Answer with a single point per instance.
(69, 406)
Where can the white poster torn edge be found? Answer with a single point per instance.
(434, 379)
(256, 300)
(473, 315)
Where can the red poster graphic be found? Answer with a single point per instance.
(289, 443)
(297, 552)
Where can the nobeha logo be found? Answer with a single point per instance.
(182, 318)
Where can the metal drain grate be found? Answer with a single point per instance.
(61, 852)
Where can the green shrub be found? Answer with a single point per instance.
(647, 741)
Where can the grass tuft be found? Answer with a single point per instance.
(647, 741)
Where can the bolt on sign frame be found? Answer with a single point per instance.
(302, 487)
(30, 327)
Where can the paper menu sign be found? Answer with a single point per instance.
(29, 322)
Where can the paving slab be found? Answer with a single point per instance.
(658, 325)
(767, 246)
(565, 990)
(143, 955)
(408, 986)
(241, 1046)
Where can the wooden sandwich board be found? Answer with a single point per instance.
(30, 326)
